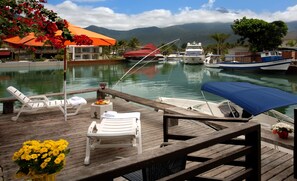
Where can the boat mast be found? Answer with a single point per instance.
(142, 60)
(207, 103)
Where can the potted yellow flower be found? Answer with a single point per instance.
(41, 160)
(282, 129)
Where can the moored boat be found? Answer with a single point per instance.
(269, 60)
(244, 100)
(174, 57)
(212, 61)
(194, 54)
(148, 52)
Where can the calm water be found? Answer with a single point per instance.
(150, 81)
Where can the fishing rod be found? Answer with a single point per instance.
(142, 60)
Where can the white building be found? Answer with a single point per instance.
(84, 52)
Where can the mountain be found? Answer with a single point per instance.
(199, 32)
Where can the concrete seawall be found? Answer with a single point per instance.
(28, 65)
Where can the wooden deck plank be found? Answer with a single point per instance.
(51, 125)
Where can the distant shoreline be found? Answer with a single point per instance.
(28, 65)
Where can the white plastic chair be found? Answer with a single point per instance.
(124, 128)
(34, 103)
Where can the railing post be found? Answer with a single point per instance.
(100, 94)
(253, 160)
(165, 128)
(8, 107)
(295, 144)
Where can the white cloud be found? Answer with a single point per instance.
(105, 17)
(209, 4)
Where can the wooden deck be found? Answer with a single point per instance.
(276, 165)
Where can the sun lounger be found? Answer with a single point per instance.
(34, 103)
(124, 128)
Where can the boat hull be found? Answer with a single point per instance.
(279, 65)
(144, 60)
(213, 109)
(193, 59)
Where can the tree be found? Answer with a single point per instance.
(133, 43)
(220, 39)
(122, 46)
(20, 17)
(291, 43)
(260, 34)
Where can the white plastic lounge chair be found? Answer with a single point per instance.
(35, 103)
(125, 128)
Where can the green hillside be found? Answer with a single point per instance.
(198, 32)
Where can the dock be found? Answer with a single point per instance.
(49, 124)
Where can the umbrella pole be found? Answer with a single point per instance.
(65, 94)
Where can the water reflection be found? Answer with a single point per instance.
(149, 81)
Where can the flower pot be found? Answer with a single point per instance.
(283, 134)
(51, 177)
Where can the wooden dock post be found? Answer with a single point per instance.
(8, 107)
(100, 94)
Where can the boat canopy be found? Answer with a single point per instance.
(254, 99)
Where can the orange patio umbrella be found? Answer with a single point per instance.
(29, 40)
(98, 40)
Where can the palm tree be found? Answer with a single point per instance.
(134, 43)
(220, 39)
(121, 46)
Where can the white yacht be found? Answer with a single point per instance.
(194, 54)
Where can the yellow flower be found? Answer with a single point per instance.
(16, 156)
(44, 155)
(48, 159)
(56, 152)
(40, 157)
(27, 151)
(34, 156)
(58, 160)
(43, 150)
(62, 147)
(47, 145)
(23, 157)
(28, 157)
(43, 165)
(61, 156)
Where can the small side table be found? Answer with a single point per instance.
(98, 110)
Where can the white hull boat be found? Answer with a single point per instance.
(269, 61)
(173, 57)
(194, 54)
(239, 105)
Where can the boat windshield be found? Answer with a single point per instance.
(222, 109)
(228, 109)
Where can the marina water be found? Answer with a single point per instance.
(150, 81)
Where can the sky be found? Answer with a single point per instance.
(131, 14)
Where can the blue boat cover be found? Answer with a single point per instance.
(254, 99)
